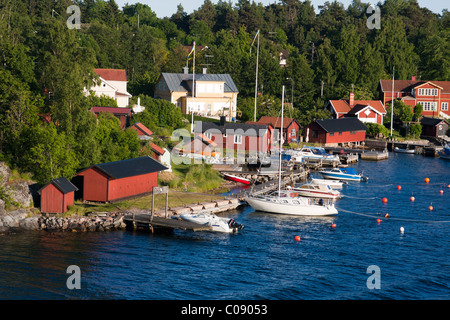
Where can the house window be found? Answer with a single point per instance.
(293, 132)
(237, 139)
(208, 135)
(352, 132)
(331, 134)
(428, 105)
(444, 106)
(340, 133)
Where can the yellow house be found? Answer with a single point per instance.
(214, 95)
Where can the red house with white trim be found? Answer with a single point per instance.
(434, 96)
(291, 127)
(365, 110)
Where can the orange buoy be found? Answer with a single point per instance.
(412, 199)
(441, 191)
(297, 238)
(333, 225)
(378, 220)
(399, 187)
(384, 200)
(427, 180)
(387, 215)
(430, 208)
(448, 186)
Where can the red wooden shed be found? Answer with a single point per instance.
(117, 180)
(336, 131)
(57, 195)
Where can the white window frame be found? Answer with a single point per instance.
(237, 139)
(444, 106)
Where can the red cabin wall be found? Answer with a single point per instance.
(131, 186)
(95, 185)
(52, 200)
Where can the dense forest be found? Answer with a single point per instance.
(45, 65)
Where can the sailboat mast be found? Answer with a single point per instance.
(256, 76)
(281, 143)
(392, 102)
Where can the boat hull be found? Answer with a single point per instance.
(340, 176)
(300, 209)
(407, 151)
(231, 177)
(217, 224)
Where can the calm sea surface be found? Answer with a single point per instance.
(263, 261)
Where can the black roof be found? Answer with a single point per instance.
(244, 129)
(342, 124)
(130, 167)
(431, 121)
(64, 185)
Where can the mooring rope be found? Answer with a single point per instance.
(391, 218)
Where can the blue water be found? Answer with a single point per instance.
(263, 261)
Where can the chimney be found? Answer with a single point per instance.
(222, 120)
(185, 70)
(205, 70)
(352, 99)
(413, 78)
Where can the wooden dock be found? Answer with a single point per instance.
(147, 222)
(374, 155)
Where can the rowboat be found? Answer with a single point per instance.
(401, 150)
(236, 178)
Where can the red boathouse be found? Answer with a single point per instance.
(57, 196)
(117, 180)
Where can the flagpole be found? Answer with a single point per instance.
(256, 77)
(193, 93)
(392, 101)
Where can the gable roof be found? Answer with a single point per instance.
(244, 129)
(276, 122)
(178, 82)
(112, 74)
(129, 167)
(114, 110)
(138, 126)
(431, 121)
(62, 184)
(343, 106)
(408, 85)
(341, 124)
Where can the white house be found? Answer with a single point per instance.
(113, 84)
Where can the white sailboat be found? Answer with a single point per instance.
(287, 201)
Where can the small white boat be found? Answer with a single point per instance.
(401, 150)
(316, 191)
(218, 224)
(334, 184)
(349, 174)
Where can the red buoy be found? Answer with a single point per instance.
(399, 187)
(378, 220)
(333, 225)
(384, 200)
(441, 191)
(297, 238)
(412, 199)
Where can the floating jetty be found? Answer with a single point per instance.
(374, 155)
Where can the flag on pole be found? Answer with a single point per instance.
(192, 50)
(257, 32)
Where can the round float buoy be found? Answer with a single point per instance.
(412, 199)
(399, 187)
(448, 186)
(387, 215)
(430, 208)
(384, 200)
(441, 191)
(333, 225)
(297, 238)
(402, 230)
(378, 220)
(427, 180)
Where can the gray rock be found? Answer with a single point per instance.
(20, 193)
(31, 223)
(5, 173)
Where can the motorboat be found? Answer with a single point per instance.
(288, 202)
(316, 191)
(218, 224)
(445, 153)
(334, 184)
(348, 174)
(234, 178)
(308, 152)
(402, 150)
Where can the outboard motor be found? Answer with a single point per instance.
(234, 225)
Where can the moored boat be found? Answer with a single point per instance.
(445, 153)
(217, 224)
(316, 191)
(234, 178)
(334, 184)
(348, 174)
(402, 150)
